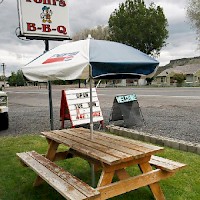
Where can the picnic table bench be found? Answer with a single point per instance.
(109, 153)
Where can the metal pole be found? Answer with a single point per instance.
(4, 76)
(50, 105)
(91, 125)
(50, 92)
(91, 107)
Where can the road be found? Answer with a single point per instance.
(170, 112)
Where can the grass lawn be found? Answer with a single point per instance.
(16, 181)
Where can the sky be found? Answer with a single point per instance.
(15, 53)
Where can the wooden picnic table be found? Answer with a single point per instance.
(109, 153)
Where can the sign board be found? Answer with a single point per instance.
(75, 106)
(44, 18)
(126, 108)
(126, 98)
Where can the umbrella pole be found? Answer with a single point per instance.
(91, 106)
(50, 92)
(91, 125)
(50, 105)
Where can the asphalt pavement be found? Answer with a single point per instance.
(169, 112)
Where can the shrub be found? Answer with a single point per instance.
(180, 78)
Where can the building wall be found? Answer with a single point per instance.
(191, 80)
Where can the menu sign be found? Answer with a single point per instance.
(76, 103)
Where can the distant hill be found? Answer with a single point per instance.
(179, 62)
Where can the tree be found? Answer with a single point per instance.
(16, 79)
(193, 13)
(1, 78)
(99, 33)
(59, 82)
(139, 26)
(180, 78)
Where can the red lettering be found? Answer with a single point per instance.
(49, 2)
(62, 29)
(82, 116)
(62, 3)
(96, 114)
(54, 2)
(46, 28)
(31, 27)
(38, 1)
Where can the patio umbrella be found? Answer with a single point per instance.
(90, 58)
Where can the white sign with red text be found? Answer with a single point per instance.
(78, 102)
(44, 18)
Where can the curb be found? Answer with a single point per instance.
(159, 140)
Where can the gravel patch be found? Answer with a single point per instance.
(176, 118)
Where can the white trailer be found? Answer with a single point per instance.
(4, 121)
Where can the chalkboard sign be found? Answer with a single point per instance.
(75, 106)
(126, 108)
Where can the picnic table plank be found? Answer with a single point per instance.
(131, 144)
(106, 146)
(109, 159)
(166, 164)
(120, 138)
(58, 183)
(94, 144)
(132, 183)
(74, 181)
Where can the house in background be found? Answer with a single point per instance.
(192, 73)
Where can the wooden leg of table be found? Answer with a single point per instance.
(106, 178)
(53, 146)
(155, 187)
(122, 174)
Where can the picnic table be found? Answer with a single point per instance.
(109, 153)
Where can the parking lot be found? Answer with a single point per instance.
(170, 112)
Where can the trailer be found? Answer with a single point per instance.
(4, 119)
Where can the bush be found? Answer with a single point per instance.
(179, 78)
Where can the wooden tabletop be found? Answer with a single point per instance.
(104, 147)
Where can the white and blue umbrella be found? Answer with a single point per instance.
(90, 58)
(73, 60)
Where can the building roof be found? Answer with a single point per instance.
(185, 69)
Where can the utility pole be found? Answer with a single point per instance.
(4, 76)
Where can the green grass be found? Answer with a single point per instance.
(16, 181)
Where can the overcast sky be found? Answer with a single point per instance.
(88, 14)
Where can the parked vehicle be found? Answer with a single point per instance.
(4, 120)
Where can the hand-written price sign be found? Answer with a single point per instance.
(78, 106)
